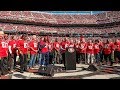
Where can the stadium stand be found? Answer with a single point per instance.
(31, 22)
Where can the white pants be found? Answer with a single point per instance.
(90, 58)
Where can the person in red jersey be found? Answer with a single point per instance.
(22, 46)
(44, 52)
(33, 51)
(3, 55)
(90, 52)
(112, 45)
(12, 52)
(8, 60)
(56, 49)
(71, 44)
(64, 45)
(97, 51)
(6, 44)
(117, 50)
(108, 49)
(82, 49)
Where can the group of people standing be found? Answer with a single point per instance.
(46, 51)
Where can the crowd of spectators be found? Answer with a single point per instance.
(105, 17)
(79, 30)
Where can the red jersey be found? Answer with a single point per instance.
(12, 43)
(45, 48)
(117, 46)
(90, 48)
(33, 45)
(71, 45)
(22, 46)
(96, 48)
(64, 46)
(108, 48)
(82, 47)
(3, 48)
(56, 45)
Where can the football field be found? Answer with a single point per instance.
(79, 73)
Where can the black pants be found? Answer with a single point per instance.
(50, 57)
(82, 57)
(117, 55)
(14, 57)
(3, 66)
(63, 58)
(10, 61)
(108, 57)
(101, 56)
(23, 62)
(77, 57)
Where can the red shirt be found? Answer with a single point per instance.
(33, 44)
(6, 46)
(64, 45)
(44, 49)
(117, 46)
(108, 47)
(71, 45)
(12, 43)
(56, 45)
(3, 48)
(96, 48)
(23, 46)
(82, 47)
(90, 48)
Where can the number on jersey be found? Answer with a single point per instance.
(4, 45)
(25, 45)
(35, 45)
